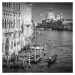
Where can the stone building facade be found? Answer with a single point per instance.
(59, 16)
(50, 16)
(15, 18)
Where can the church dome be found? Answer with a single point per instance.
(51, 15)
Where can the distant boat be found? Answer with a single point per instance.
(51, 60)
(41, 29)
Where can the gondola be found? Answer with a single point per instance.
(51, 60)
(32, 59)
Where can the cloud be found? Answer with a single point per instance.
(41, 14)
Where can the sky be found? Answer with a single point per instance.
(40, 10)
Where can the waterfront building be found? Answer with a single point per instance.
(66, 21)
(57, 22)
(43, 22)
(16, 26)
(59, 16)
(26, 21)
(50, 16)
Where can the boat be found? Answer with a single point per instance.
(41, 29)
(38, 47)
(32, 59)
(51, 60)
(38, 58)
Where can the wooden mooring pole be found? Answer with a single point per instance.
(40, 50)
(45, 50)
(29, 59)
(7, 57)
(35, 55)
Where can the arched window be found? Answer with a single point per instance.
(9, 24)
(4, 4)
(14, 5)
(2, 47)
(7, 47)
(13, 23)
(2, 23)
(12, 45)
(5, 23)
(9, 5)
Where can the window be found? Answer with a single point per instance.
(18, 43)
(4, 13)
(14, 14)
(9, 4)
(14, 20)
(11, 13)
(5, 23)
(4, 4)
(2, 47)
(12, 45)
(19, 6)
(19, 15)
(13, 24)
(7, 46)
(9, 24)
(14, 35)
(2, 23)
(14, 5)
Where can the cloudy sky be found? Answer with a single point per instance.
(40, 10)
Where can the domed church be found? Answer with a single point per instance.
(50, 15)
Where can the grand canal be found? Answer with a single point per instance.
(58, 42)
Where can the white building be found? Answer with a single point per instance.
(14, 15)
(50, 15)
(59, 16)
(26, 21)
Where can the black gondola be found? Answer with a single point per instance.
(51, 60)
(32, 59)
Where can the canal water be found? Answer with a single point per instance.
(58, 42)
